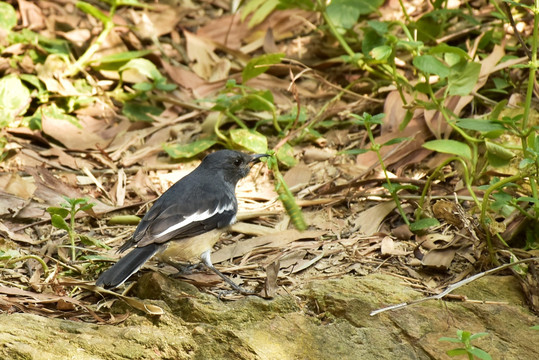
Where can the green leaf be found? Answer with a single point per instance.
(429, 27)
(481, 125)
(527, 199)
(393, 187)
(462, 80)
(138, 112)
(518, 4)
(431, 65)
(54, 112)
(424, 224)
(115, 61)
(75, 201)
(525, 163)
(379, 26)
(449, 147)
(345, 13)
(381, 52)
(42, 93)
(443, 48)
(53, 210)
(410, 45)
(86, 207)
(457, 352)
(260, 65)
(355, 151)
(144, 67)
(464, 335)
(8, 16)
(499, 151)
(496, 161)
(59, 222)
(395, 141)
(14, 99)
(143, 86)
(285, 154)
(308, 5)
(260, 101)
(10, 254)
(452, 59)
(93, 11)
(483, 355)
(371, 40)
(260, 10)
(179, 151)
(250, 7)
(134, 3)
(250, 140)
(165, 86)
(500, 83)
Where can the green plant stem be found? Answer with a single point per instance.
(405, 13)
(236, 119)
(392, 192)
(523, 211)
(218, 132)
(270, 106)
(525, 140)
(533, 69)
(472, 142)
(85, 58)
(484, 206)
(421, 201)
(338, 36)
(345, 45)
(376, 148)
(26, 257)
(71, 233)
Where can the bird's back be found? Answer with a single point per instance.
(199, 201)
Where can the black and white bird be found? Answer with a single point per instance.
(202, 201)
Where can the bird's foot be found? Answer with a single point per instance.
(186, 268)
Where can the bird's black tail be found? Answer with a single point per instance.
(126, 266)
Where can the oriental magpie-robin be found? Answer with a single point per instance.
(202, 201)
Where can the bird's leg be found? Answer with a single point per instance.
(205, 257)
(184, 268)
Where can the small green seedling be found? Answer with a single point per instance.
(68, 210)
(465, 338)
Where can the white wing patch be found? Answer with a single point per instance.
(198, 216)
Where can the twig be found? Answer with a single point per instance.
(452, 287)
(517, 33)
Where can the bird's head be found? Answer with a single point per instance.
(234, 164)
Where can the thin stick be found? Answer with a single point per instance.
(452, 287)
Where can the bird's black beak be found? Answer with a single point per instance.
(256, 158)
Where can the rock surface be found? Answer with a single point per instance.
(327, 319)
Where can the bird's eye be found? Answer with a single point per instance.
(237, 162)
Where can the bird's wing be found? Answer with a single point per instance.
(177, 221)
